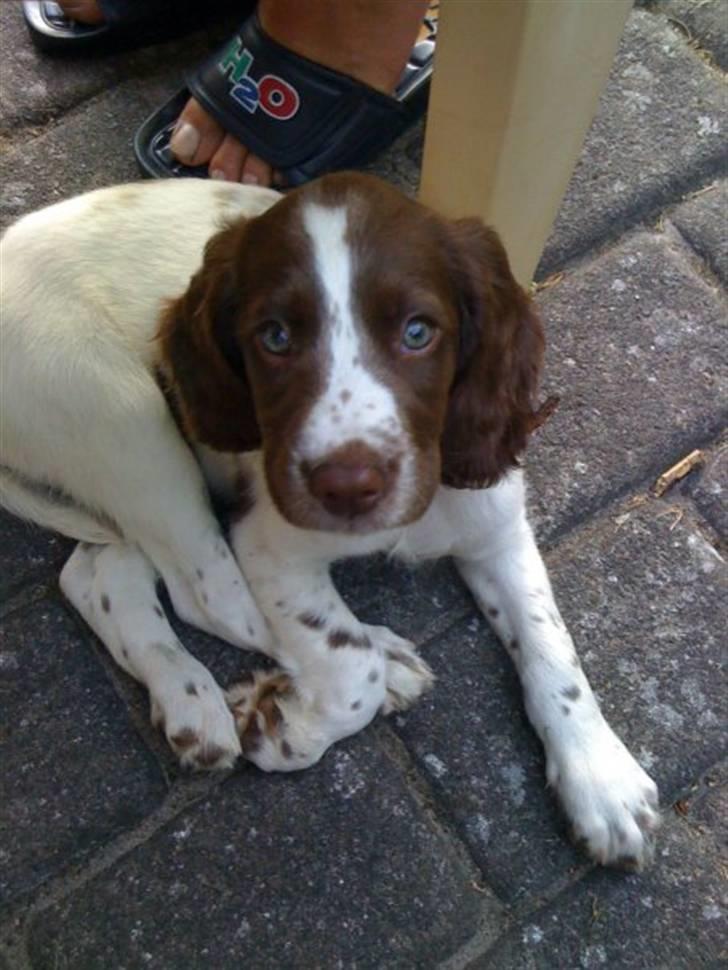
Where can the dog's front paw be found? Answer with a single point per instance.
(197, 723)
(611, 802)
(258, 704)
(408, 676)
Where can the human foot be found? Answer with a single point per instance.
(369, 42)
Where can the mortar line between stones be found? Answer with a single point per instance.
(693, 256)
(641, 215)
(54, 890)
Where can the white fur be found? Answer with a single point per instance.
(354, 405)
(83, 285)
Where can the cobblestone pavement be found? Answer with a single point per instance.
(429, 840)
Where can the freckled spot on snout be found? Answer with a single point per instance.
(573, 692)
(191, 689)
(312, 621)
(105, 603)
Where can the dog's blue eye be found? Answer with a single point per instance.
(276, 338)
(417, 334)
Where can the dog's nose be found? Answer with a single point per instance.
(347, 490)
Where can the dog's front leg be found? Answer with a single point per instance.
(610, 801)
(113, 588)
(336, 672)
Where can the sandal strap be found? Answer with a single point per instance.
(299, 116)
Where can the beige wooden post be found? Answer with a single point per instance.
(516, 85)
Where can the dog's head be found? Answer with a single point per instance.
(372, 349)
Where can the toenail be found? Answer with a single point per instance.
(218, 174)
(250, 179)
(185, 140)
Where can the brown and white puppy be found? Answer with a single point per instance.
(357, 374)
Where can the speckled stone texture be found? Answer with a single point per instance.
(672, 916)
(702, 221)
(638, 353)
(659, 133)
(430, 839)
(337, 867)
(73, 773)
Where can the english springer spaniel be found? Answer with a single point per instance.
(352, 373)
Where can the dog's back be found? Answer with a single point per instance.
(83, 285)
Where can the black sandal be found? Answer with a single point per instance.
(300, 117)
(127, 23)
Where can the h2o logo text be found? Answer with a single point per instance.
(271, 93)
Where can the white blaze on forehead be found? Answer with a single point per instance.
(353, 404)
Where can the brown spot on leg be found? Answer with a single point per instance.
(343, 638)
(573, 692)
(200, 574)
(373, 676)
(356, 706)
(492, 611)
(158, 610)
(312, 621)
(286, 749)
(105, 603)
(191, 689)
(514, 644)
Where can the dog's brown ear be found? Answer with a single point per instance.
(491, 407)
(202, 362)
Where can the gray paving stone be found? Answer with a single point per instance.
(658, 134)
(702, 221)
(637, 350)
(644, 604)
(73, 772)
(90, 148)
(671, 917)
(335, 867)
(703, 21)
(28, 552)
(711, 492)
(38, 87)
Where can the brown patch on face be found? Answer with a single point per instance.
(344, 638)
